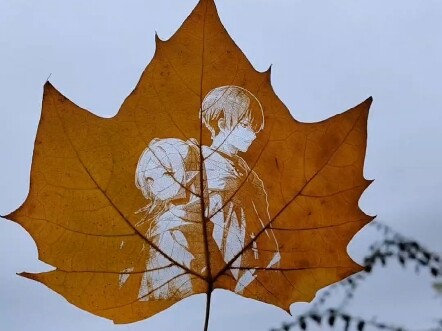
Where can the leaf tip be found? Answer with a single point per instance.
(51, 93)
(269, 69)
(157, 38)
(368, 182)
(48, 89)
(27, 275)
(268, 72)
(368, 219)
(368, 102)
(48, 84)
(9, 217)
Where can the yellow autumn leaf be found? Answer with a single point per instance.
(203, 180)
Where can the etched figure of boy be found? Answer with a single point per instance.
(238, 205)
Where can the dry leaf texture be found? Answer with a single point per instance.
(203, 180)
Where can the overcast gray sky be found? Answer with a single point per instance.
(327, 56)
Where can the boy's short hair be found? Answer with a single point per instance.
(233, 104)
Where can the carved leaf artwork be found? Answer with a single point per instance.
(202, 181)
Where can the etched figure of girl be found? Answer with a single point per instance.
(166, 174)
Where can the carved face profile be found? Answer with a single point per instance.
(240, 137)
(160, 172)
(234, 116)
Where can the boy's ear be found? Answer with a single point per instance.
(222, 124)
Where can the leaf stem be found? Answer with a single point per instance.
(204, 219)
(208, 301)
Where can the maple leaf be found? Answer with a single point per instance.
(230, 191)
